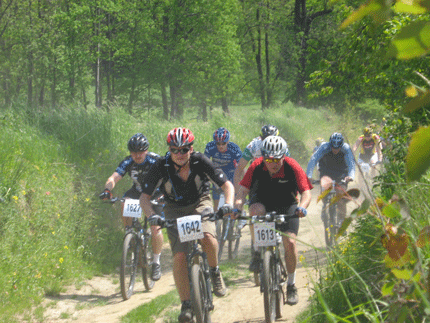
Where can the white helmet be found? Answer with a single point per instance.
(274, 147)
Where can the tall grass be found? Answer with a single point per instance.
(54, 229)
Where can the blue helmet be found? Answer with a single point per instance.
(336, 140)
(221, 135)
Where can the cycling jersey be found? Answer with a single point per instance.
(333, 165)
(164, 175)
(279, 190)
(253, 150)
(227, 160)
(137, 171)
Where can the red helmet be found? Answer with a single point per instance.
(179, 137)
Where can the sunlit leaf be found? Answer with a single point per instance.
(412, 41)
(371, 6)
(424, 237)
(402, 273)
(420, 101)
(418, 157)
(413, 7)
(323, 194)
(362, 208)
(344, 226)
(397, 246)
(387, 289)
(411, 91)
(390, 211)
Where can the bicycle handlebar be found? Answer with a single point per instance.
(171, 223)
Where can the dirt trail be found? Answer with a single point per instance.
(99, 300)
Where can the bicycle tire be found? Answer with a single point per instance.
(268, 290)
(257, 279)
(198, 294)
(129, 262)
(221, 241)
(280, 295)
(326, 222)
(233, 240)
(333, 224)
(148, 258)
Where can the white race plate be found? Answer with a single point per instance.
(264, 234)
(132, 208)
(190, 228)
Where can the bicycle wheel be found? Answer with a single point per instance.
(148, 258)
(326, 222)
(267, 281)
(221, 241)
(129, 261)
(199, 298)
(282, 276)
(333, 224)
(233, 240)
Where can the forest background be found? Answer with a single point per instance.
(80, 77)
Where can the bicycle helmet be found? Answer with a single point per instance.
(138, 143)
(274, 147)
(180, 137)
(269, 130)
(221, 135)
(367, 131)
(336, 140)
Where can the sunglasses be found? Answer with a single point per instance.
(183, 151)
(272, 160)
(221, 143)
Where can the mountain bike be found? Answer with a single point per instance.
(273, 273)
(136, 250)
(189, 230)
(229, 230)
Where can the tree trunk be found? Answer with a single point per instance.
(224, 105)
(165, 102)
(259, 65)
(204, 111)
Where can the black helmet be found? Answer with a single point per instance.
(138, 143)
(269, 130)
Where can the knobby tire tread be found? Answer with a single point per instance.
(128, 265)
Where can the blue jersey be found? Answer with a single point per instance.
(228, 160)
(341, 164)
(137, 171)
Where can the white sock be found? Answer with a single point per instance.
(291, 278)
(156, 259)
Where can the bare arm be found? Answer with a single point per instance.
(145, 204)
(239, 173)
(305, 199)
(356, 145)
(240, 197)
(228, 190)
(112, 180)
(379, 151)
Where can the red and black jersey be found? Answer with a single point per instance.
(281, 188)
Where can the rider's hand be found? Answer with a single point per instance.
(155, 220)
(236, 213)
(226, 209)
(301, 212)
(348, 179)
(106, 195)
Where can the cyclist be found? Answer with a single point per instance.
(336, 162)
(224, 154)
(272, 182)
(370, 148)
(183, 177)
(253, 151)
(137, 165)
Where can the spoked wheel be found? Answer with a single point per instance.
(267, 281)
(327, 233)
(148, 258)
(333, 224)
(221, 227)
(233, 240)
(279, 302)
(129, 262)
(199, 297)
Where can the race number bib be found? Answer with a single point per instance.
(190, 228)
(264, 234)
(132, 208)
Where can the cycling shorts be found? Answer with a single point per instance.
(202, 206)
